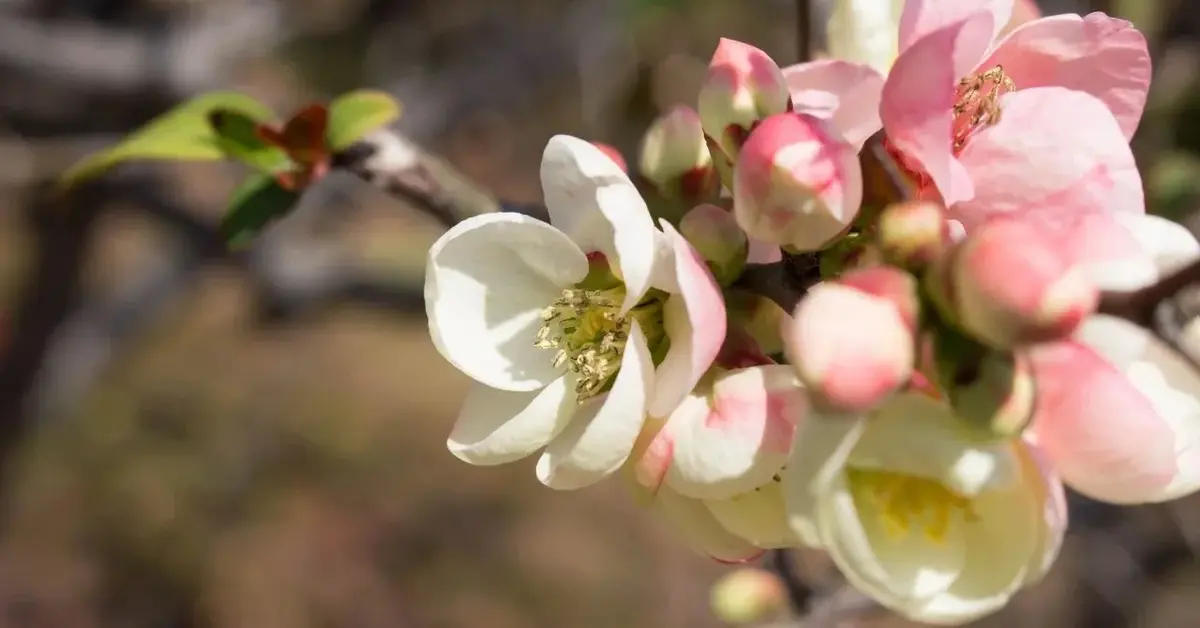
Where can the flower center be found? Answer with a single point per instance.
(588, 334)
(903, 501)
(977, 103)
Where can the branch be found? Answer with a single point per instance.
(1157, 308)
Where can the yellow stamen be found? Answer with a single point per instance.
(905, 501)
(588, 334)
(977, 103)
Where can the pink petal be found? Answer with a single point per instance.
(922, 17)
(919, 95)
(847, 94)
(1104, 437)
(737, 437)
(694, 319)
(1101, 55)
(763, 252)
(1053, 147)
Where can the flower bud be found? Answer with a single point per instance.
(852, 349)
(1011, 286)
(913, 234)
(992, 390)
(675, 156)
(797, 183)
(890, 283)
(744, 85)
(748, 595)
(716, 236)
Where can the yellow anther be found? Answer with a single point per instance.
(977, 103)
(587, 333)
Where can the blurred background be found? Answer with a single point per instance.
(197, 438)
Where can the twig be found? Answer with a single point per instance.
(804, 31)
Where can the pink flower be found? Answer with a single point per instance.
(1118, 413)
(712, 468)
(991, 127)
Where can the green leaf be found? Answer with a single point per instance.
(183, 133)
(236, 135)
(257, 202)
(357, 113)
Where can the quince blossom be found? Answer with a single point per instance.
(562, 325)
(1043, 113)
(1118, 412)
(933, 524)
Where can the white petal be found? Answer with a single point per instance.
(738, 436)
(819, 452)
(1173, 387)
(916, 435)
(757, 516)
(602, 434)
(486, 281)
(593, 201)
(999, 547)
(1115, 339)
(895, 571)
(699, 530)
(694, 319)
(1170, 244)
(499, 426)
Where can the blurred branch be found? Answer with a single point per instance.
(804, 30)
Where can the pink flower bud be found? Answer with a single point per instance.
(993, 391)
(852, 349)
(675, 156)
(744, 85)
(1012, 286)
(914, 233)
(748, 595)
(891, 283)
(797, 183)
(716, 236)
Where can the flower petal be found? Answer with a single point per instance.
(919, 95)
(820, 449)
(604, 430)
(920, 18)
(499, 426)
(1053, 150)
(699, 529)
(758, 516)
(844, 93)
(894, 571)
(1048, 489)
(1101, 55)
(919, 436)
(1167, 243)
(486, 281)
(763, 252)
(1104, 436)
(741, 438)
(694, 320)
(1173, 386)
(998, 546)
(593, 201)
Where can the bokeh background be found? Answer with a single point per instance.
(193, 438)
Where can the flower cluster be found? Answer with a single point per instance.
(918, 411)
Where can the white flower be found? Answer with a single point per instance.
(934, 526)
(712, 469)
(561, 325)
